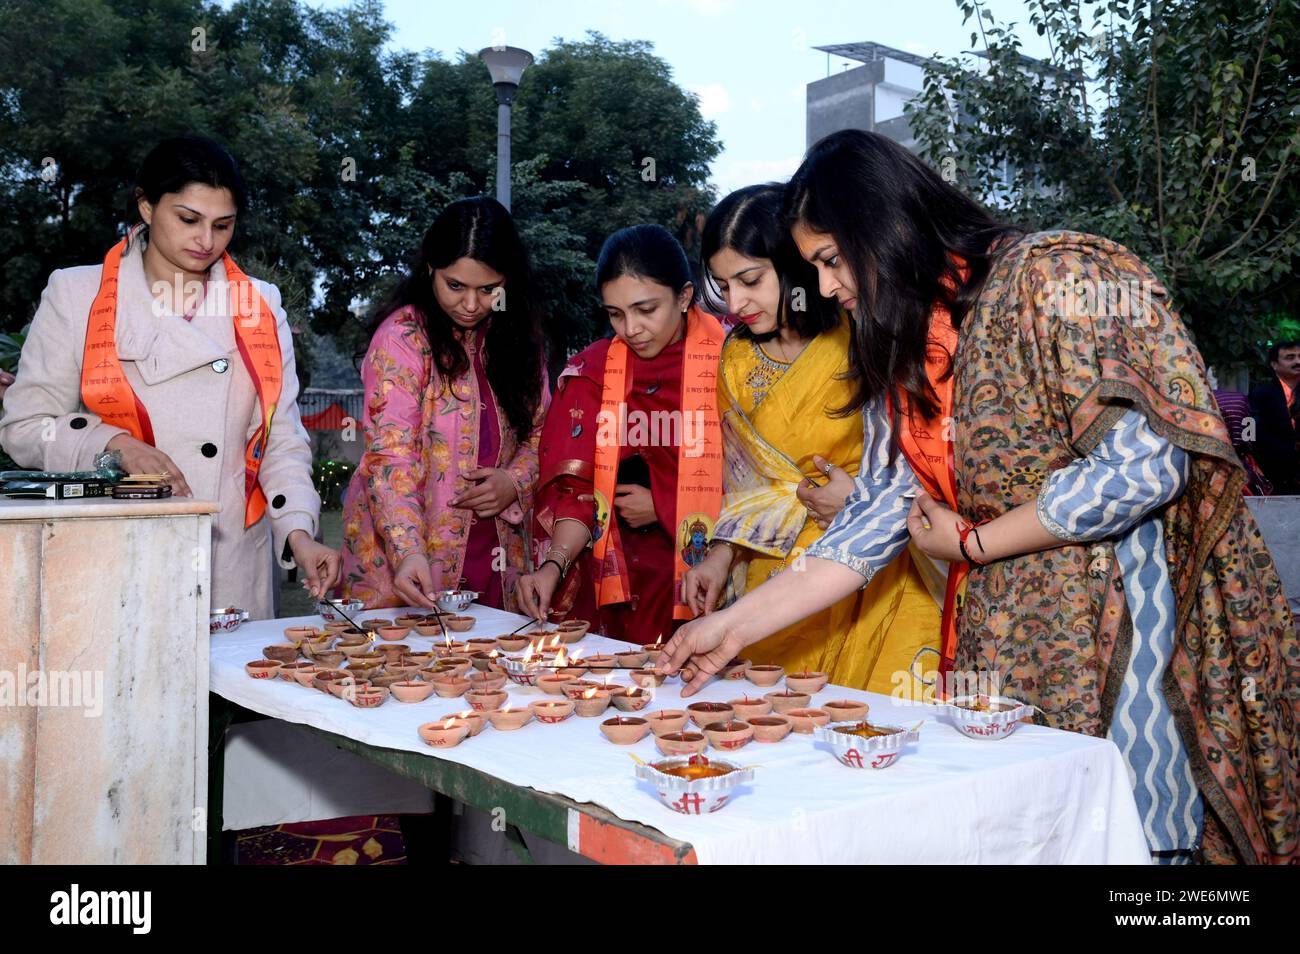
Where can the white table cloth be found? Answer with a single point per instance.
(1038, 796)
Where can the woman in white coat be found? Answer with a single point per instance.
(187, 369)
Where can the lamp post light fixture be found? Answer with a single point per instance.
(506, 64)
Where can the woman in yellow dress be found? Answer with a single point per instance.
(790, 459)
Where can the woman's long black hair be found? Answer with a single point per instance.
(750, 222)
(898, 226)
(482, 229)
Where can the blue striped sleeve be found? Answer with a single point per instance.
(871, 529)
(1132, 471)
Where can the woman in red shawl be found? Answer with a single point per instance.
(632, 435)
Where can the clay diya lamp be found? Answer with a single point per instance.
(702, 713)
(746, 708)
(297, 634)
(444, 734)
(553, 685)
(368, 698)
(765, 677)
(411, 690)
(648, 678)
(343, 688)
(393, 652)
(353, 649)
(735, 669)
(319, 644)
(681, 743)
(486, 681)
(404, 669)
(654, 651)
(734, 734)
(809, 682)
(512, 644)
(429, 629)
(331, 659)
(482, 644)
(263, 668)
(374, 625)
(631, 699)
(449, 647)
(846, 710)
(863, 745)
(449, 686)
(481, 660)
(784, 701)
(459, 664)
(366, 660)
(288, 669)
(337, 627)
(418, 659)
(770, 728)
(385, 679)
(477, 721)
(306, 675)
(625, 730)
(352, 634)
(577, 687)
(393, 633)
(486, 701)
(281, 652)
(632, 658)
(459, 624)
(409, 620)
(507, 720)
(438, 669)
(591, 703)
(805, 720)
(600, 664)
(667, 720)
(552, 711)
(327, 677)
(572, 630)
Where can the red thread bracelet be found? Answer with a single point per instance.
(964, 530)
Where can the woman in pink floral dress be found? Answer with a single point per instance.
(455, 397)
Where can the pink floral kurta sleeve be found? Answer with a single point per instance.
(393, 375)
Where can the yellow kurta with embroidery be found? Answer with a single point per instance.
(776, 417)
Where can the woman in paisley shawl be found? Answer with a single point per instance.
(1115, 578)
(790, 458)
(455, 397)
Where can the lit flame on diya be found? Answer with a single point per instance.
(449, 722)
(590, 693)
(561, 660)
(447, 637)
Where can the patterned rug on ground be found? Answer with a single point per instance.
(363, 840)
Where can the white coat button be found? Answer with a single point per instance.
(221, 365)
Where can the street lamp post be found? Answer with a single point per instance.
(506, 64)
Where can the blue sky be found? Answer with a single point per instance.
(749, 60)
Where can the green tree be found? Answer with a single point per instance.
(1172, 127)
(349, 149)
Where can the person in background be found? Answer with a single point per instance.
(1235, 408)
(1275, 405)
